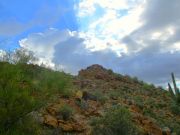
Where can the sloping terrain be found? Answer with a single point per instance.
(94, 104)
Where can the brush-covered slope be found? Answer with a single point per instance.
(39, 101)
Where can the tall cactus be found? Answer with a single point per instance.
(176, 94)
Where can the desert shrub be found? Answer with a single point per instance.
(53, 81)
(25, 126)
(117, 121)
(160, 104)
(135, 79)
(15, 102)
(66, 112)
(149, 112)
(25, 88)
(82, 104)
(115, 94)
(175, 108)
(146, 86)
(110, 71)
(100, 97)
(139, 102)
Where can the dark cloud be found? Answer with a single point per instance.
(74, 56)
(151, 67)
(161, 13)
(152, 59)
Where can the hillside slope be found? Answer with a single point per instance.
(97, 101)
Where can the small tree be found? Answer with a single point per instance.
(22, 55)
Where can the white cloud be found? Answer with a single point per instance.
(2, 53)
(88, 7)
(42, 44)
(130, 38)
(120, 18)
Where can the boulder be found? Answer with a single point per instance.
(51, 121)
(68, 126)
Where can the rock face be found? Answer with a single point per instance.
(51, 121)
(96, 72)
(71, 126)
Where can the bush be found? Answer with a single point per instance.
(100, 97)
(114, 94)
(66, 112)
(82, 104)
(15, 101)
(139, 102)
(25, 88)
(147, 86)
(175, 108)
(26, 126)
(117, 121)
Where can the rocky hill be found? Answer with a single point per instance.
(149, 106)
(102, 102)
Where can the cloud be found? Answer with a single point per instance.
(137, 38)
(116, 20)
(11, 27)
(154, 47)
(67, 49)
(151, 67)
(161, 13)
(42, 44)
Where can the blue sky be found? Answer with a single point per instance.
(33, 16)
(136, 37)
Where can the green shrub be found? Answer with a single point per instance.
(25, 88)
(26, 126)
(66, 112)
(139, 102)
(100, 97)
(147, 86)
(175, 108)
(82, 104)
(115, 94)
(15, 102)
(117, 121)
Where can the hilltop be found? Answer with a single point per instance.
(36, 100)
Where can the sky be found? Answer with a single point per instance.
(135, 37)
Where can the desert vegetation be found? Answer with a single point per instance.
(107, 104)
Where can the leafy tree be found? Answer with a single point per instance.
(23, 55)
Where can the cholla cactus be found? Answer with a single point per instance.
(176, 93)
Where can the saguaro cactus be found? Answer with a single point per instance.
(176, 93)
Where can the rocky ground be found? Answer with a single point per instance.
(96, 90)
